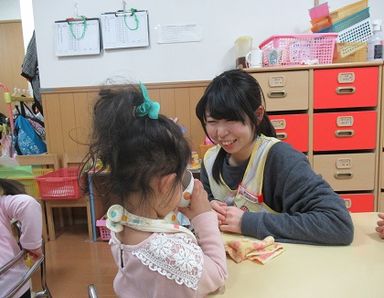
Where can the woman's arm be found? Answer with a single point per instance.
(309, 210)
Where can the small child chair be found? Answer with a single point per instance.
(69, 160)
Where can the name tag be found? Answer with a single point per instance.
(254, 198)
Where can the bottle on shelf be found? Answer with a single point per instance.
(375, 46)
(243, 45)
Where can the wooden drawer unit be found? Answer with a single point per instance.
(285, 91)
(347, 172)
(346, 87)
(333, 114)
(359, 202)
(344, 131)
(293, 129)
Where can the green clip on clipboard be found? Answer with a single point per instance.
(77, 36)
(125, 29)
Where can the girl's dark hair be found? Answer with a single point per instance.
(11, 187)
(134, 149)
(234, 95)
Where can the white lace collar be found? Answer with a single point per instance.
(176, 256)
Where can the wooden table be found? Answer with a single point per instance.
(316, 271)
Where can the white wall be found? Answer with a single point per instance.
(222, 20)
(9, 10)
(16, 10)
(26, 12)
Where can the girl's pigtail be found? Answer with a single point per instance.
(266, 127)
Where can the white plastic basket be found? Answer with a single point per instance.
(359, 32)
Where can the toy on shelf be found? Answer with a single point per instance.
(195, 161)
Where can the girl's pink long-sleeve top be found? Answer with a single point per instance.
(172, 265)
(27, 210)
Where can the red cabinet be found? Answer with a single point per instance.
(293, 129)
(359, 202)
(346, 87)
(344, 131)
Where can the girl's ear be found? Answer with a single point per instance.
(260, 113)
(165, 183)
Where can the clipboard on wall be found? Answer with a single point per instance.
(125, 29)
(76, 37)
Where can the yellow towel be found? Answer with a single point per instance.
(254, 250)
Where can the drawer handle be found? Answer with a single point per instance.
(345, 133)
(282, 135)
(277, 94)
(343, 175)
(348, 203)
(345, 90)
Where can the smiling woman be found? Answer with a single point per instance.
(257, 185)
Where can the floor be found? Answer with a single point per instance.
(73, 262)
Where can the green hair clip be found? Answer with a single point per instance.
(148, 107)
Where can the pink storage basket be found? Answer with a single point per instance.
(296, 49)
(105, 233)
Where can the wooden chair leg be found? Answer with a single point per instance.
(50, 222)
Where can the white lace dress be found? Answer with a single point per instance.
(172, 265)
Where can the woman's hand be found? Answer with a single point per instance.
(220, 209)
(232, 221)
(199, 201)
(380, 226)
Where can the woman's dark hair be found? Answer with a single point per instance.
(11, 187)
(234, 95)
(134, 149)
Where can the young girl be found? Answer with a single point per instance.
(257, 185)
(16, 205)
(146, 156)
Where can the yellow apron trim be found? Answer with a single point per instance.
(252, 179)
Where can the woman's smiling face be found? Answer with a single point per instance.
(235, 137)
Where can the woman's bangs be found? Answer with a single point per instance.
(222, 107)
